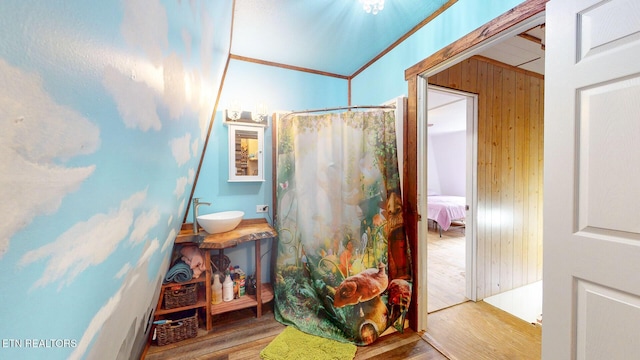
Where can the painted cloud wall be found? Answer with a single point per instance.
(104, 109)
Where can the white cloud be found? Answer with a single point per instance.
(203, 100)
(181, 207)
(174, 85)
(181, 185)
(206, 41)
(148, 252)
(110, 332)
(199, 93)
(168, 242)
(144, 222)
(85, 244)
(123, 271)
(145, 26)
(194, 94)
(98, 321)
(192, 175)
(180, 149)
(170, 220)
(34, 132)
(194, 147)
(137, 104)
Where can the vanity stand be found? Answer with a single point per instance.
(248, 230)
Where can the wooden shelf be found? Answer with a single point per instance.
(201, 299)
(243, 302)
(200, 303)
(203, 296)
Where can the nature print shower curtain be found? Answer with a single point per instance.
(343, 264)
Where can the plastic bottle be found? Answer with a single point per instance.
(242, 283)
(236, 286)
(216, 290)
(227, 289)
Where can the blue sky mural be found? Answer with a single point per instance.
(104, 109)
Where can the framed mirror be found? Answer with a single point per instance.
(246, 153)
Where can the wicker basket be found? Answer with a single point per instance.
(179, 296)
(177, 330)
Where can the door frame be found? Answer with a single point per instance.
(521, 18)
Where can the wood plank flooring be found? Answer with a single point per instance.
(241, 336)
(470, 330)
(235, 335)
(481, 331)
(446, 269)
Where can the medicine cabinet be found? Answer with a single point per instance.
(246, 153)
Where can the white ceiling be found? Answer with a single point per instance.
(525, 51)
(447, 112)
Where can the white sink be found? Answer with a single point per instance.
(221, 221)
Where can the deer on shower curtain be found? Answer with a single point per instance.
(343, 266)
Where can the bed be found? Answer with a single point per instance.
(446, 211)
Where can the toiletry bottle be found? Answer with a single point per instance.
(227, 289)
(243, 278)
(216, 290)
(236, 286)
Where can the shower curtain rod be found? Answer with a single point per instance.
(341, 108)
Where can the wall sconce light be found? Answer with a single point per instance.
(260, 114)
(235, 110)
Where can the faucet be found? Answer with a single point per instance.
(196, 205)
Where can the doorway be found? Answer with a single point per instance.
(452, 117)
(493, 273)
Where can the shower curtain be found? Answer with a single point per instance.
(343, 266)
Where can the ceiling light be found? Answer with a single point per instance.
(372, 6)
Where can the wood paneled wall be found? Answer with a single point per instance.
(510, 170)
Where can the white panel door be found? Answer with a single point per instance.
(592, 180)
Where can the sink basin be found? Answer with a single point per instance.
(221, 221)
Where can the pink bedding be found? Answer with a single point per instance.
(445, 209)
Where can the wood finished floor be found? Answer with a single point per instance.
(446, 269)
(481, 331)
(241, 336)
(475, 331)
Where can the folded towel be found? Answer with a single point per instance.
(194, 257)
(180, 272)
